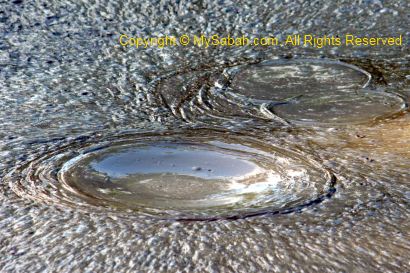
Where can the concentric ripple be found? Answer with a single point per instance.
(299, 91)
(197, 175)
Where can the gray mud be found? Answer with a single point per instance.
(68, 90)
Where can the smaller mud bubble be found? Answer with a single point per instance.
(311, 91)
(194, 175)
(298, 91)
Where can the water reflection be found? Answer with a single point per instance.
(312, 91)
(299, 92)
(199, 174)
(192, 160)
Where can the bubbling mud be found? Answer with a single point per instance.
(198, 175)
(299, 91)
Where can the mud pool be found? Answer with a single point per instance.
(185, 159)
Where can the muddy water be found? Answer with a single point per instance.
(188, 159)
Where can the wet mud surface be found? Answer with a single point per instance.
(185, 159)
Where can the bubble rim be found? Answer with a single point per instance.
(100, 141)
(228, 93)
